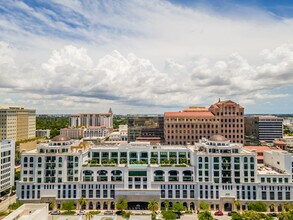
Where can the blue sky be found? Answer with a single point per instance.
(151, 56)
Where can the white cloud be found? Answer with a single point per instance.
(159, 54)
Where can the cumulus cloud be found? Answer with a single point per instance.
(140, 54)
(71, 76)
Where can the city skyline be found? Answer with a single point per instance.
(146, 56)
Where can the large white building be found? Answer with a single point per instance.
(7, 150)
(215, 171)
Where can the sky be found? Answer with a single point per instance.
(146, 57)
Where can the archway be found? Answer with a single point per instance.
(137, 206)
(185, 205)
(162, 206)
(91, 206)
(192, 207)
(105, 205)
(98, 205)
(280, 208)
(112, 206)
(228, 207)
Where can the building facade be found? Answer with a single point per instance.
(73, 133)
(215, 171)
(92, 120)
(262, 129)
(192, 124)
(145, 126)
(94, 133)
(43, 133)
(17, 123)
(7, 150)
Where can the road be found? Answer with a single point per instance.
(4, 204)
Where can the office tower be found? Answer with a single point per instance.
(145, 126)
(262, 128)
(190, 125)
(17, 123)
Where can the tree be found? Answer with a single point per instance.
(68, 206)
(272, 207)
(178, 207)
(121, 204)
(89, 216)
(237, 204)
(288, 206)
(82, 202)
(167, 205)
(153, 205)
(204, 206)
(51, 205)
(257, 206)
(169, 215)
(286, 215)
(205, 215)
(251, 215)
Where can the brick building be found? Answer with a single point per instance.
(189, 126)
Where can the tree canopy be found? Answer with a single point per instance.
(68, 205)
(169, 215)
(257, 206)
(204, 206)
(205, 215)
(153, 205)
(121, 204)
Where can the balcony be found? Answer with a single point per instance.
(102, 178)
(116, 178)
(88, 178)
(187, 178)
(173, 178)
(159, 178)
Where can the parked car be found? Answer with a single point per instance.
(230, 213)
(108, 212)
(273, 214)
(219, 213)
(56, 212)
(81, 212)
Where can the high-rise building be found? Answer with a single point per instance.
(214, 170)
(262, 128)
(7, 158)
(17, 123)
(92, 119)
(145, 126)
(189, 126)
(72, 133)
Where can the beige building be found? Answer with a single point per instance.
(194, 123)
(73, 133)
(17, 123)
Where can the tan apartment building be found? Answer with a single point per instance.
(190, 125)
(17, 123)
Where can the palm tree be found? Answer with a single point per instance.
(89, 216)
(237, 204)
(82, 202)
(167, 205)
(205, 215)
(153, 205)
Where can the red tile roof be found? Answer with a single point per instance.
(188, 114)
(259, 149)
(280, 142)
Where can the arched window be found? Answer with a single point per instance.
(245, 160)
(39, 160)
(60, 159)
(251, 160)
(206, 159)
(200, 159)
(31, 159)
(25, 159)
(76, 159)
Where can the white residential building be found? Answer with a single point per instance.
(72, 133)
(7, 149)
(92, 119)
(215, 170)
(94, 133)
